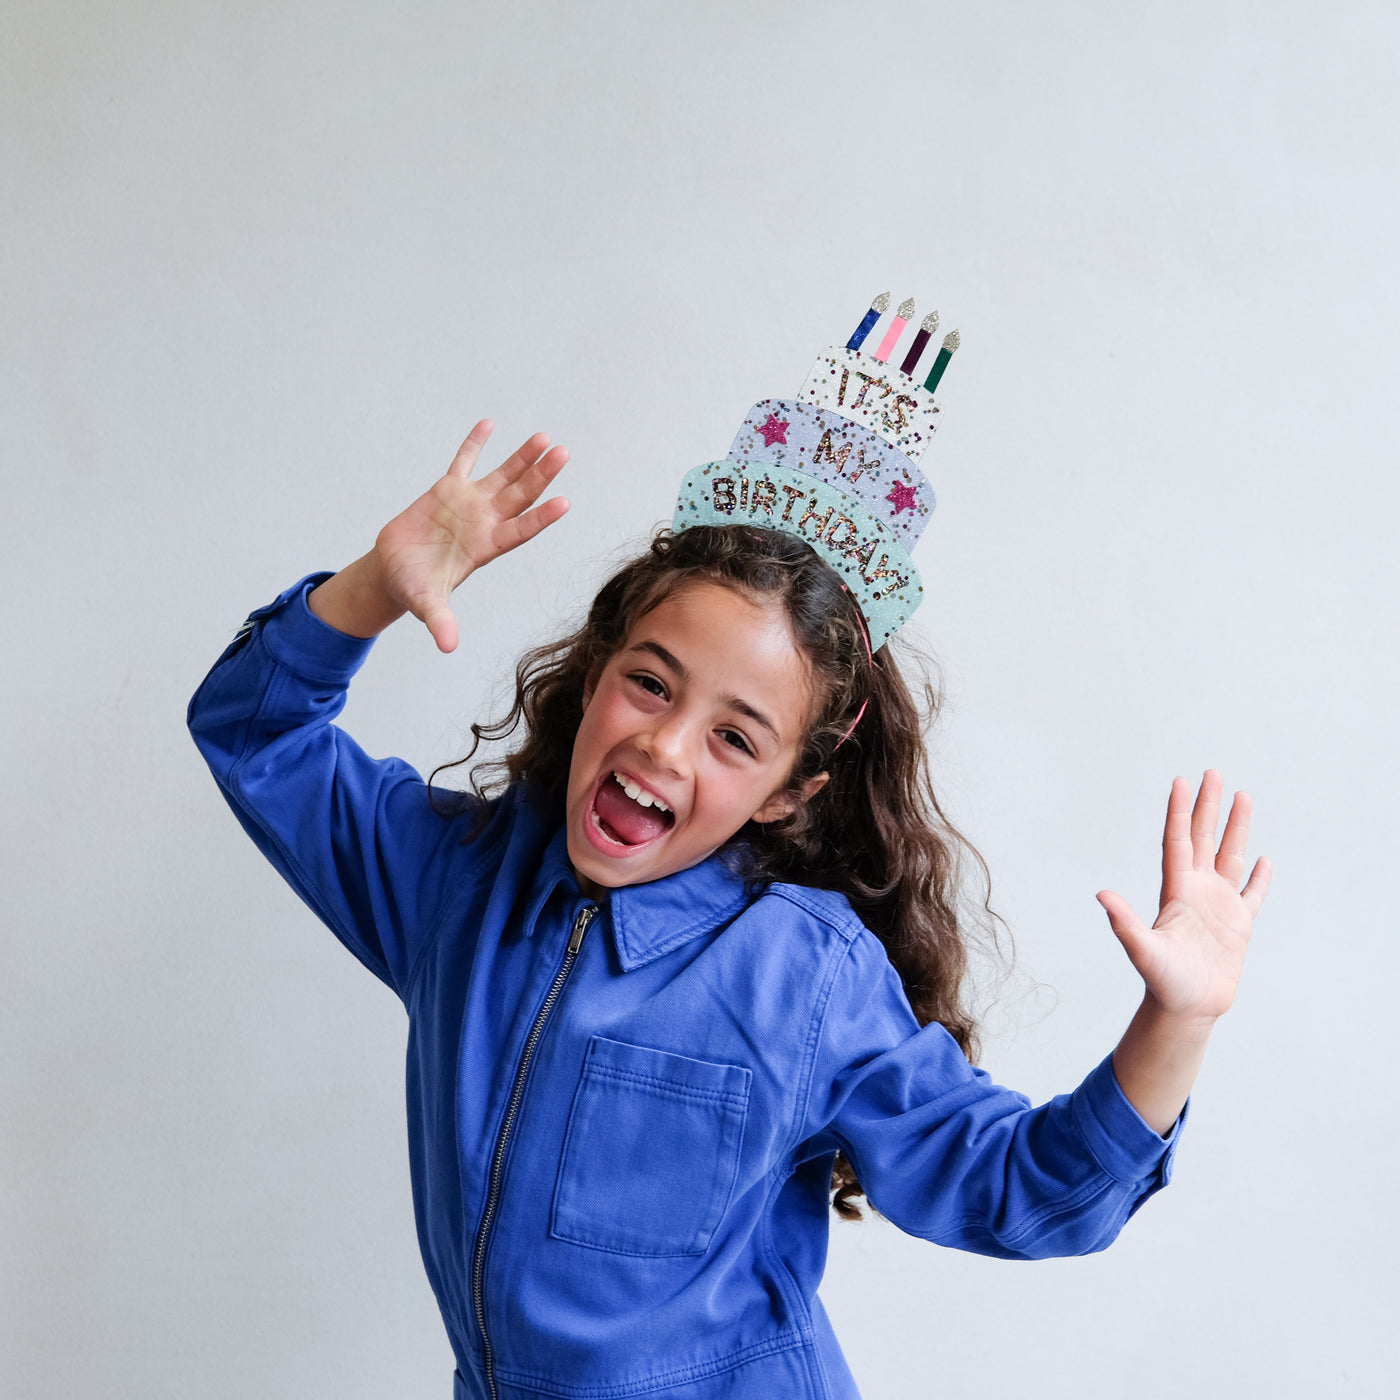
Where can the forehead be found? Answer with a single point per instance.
(733, 643)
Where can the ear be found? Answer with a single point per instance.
(785, 803)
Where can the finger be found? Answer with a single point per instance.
(1130, 930)
(1205, 817)
(1258, 886)
(1230, 860)
(518, 463)
(514, 532)
(1176, 835)
(470, 450)
(519, 494)
(438, 619)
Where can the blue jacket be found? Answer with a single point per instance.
(622, 1118)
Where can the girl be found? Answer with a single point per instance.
(702, 942)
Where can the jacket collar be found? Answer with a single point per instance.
(652, 919)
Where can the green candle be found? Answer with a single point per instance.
(951, 341)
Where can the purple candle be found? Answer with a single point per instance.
(926, 328)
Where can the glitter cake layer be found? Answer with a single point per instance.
(876, 395)
(859, 546)
(832, 448)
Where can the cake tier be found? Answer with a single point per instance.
(825, 444)
(856, 543)
(876, 395)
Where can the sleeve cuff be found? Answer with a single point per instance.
(301, 642)
(1126, 1147)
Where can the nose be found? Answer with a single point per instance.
(667, 743)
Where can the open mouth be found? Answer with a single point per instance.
(628, 815)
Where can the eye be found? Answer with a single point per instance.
(736, 740)
(648, 683)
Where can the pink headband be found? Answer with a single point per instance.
(870, 657)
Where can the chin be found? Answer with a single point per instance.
(591, 872)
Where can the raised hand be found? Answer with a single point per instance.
(459, 524)
(454, 528)
(1191, 957)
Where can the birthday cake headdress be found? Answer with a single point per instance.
(837, 467)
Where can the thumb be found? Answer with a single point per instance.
(1130, 931)
(438, 619)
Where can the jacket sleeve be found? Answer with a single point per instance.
(950, 1156)
(358, 839)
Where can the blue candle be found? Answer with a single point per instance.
(877, 309)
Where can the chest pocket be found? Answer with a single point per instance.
(651, 1151)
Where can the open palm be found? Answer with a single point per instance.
(461, 523)
(1192, 955)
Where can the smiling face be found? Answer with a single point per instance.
(692, 729)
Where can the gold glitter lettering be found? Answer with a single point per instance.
(901, 420)
(813, 514)
(743, 493)
(841, 392)
(794, 494)
(871, 382)
(862, 466)
(862, 554)
(825, 451)
(764, 494)
(882, 572)
(840, 546)
(722, 494)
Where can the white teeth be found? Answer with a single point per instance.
(638, 795)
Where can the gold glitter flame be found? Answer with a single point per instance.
(952, 340)
(906, 309)
(881, 303)
(929, 323)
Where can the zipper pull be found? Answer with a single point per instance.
(581, 922)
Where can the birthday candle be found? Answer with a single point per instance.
(877, 309)
(951, 341)
(901, 319)
(926, 328)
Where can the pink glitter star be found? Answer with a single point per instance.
(902, 496)
(774, 430)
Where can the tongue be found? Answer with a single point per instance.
(624, 819)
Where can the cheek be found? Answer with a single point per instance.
(584, 743)
(598, 727)
(585, 748)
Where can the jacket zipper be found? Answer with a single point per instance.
(498, 1158)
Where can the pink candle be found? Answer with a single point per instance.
(901, 319)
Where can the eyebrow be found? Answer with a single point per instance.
(733, 702)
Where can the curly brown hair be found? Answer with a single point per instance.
(876, 832)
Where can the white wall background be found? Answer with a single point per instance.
(264, 264)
